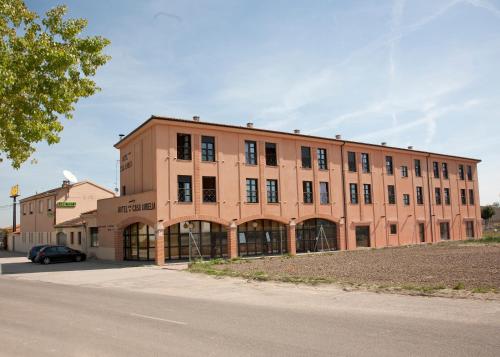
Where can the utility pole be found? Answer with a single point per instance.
(14, 193)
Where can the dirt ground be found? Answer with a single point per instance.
(459, 266)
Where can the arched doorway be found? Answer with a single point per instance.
(208, 240)
(61, 238)
(316, 235)
(139, 242)
(261, 237)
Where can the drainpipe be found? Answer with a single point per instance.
(343, 194)
(430, 197)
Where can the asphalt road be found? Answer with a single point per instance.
(41, 318)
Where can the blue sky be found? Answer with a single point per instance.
(415, 72)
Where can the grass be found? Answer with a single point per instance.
(493, 239)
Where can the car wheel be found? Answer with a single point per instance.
(46, 260)
(78, 258)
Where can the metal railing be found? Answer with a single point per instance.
(185, 195)
(209, 195)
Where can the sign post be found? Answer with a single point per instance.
(14, 193)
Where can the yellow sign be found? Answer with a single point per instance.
(14, 191)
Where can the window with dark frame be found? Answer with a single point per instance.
(472, 199)
(418, 168)
(306, 157)
(183, 146)
(393, 229)
(389, 168)
(463, 196)
(469, 229)
(354, 193)
(271, 154)
(461, 172)
(208, 148)
(435, 166)
(367, 193)
(406, 199)
(324, 193)
(351, 161)
(124, 190)
(445, 230)
(420, 195)
(322, 159)
(421, 232)
(209, 189)
(404, 171)
(437, 194)
(79, 238)
(307, 188)
(469, 173)
(250, 152)
(252, 190)
(365, 162)
(391, 194)
(272, 191)
(445, 170)
(184, 185)
(447, 197)
(94, 236)
(72, 237)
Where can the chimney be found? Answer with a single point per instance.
(410, 147)
(196, 118)
(296, 131)
(338, 137)
(121, 136)
(383, 143)
(249, 125)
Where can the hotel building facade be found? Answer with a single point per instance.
(190, 189)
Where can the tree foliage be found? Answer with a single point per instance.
(46, 66)
(487, 212)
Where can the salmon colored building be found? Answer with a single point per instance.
(190, 188)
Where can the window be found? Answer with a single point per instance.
(461, 172)
(463, 196)
(471, 198)
(435, 166)
(306, 157)
(420, 195)
(447, 197)
(365, 162)
(389, 168)
(322, 159)
(124, 190)
(50, 205)
(183, 146)
(72, 238)
(272, 191)
(31, 207)
(252, 190)
(469, 173)
(469, 229)
(94, 236)
(40, 206)
(393, 229)
(209, 189)
(421, 232)
(367, 191)
(404, 171)
(437, 193)
(445, 170)
(250, 152)
(418, 168)
(445, 230)
(324, 193)
(406, 199)
(354, 193)
(208, 148)
(271, 155)
(391, 194)
(351, 161)
(24, 209)
(185, 193)
(308, 191)
(79, 238)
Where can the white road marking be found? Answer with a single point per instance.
(158, 319)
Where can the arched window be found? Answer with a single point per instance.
(316, 235)
(262, 237)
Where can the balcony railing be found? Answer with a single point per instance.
(185, 195)
(308, 197)
(324, 198)
(210, 195)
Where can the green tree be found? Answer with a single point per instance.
(46, 66)
(486, 213)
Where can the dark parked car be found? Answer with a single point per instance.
(34, 251)
(59, 253)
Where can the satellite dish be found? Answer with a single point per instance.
(69, 176)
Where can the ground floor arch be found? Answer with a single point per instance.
(204, 239)
(261, 237)
(316, 235)
(139, 242)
